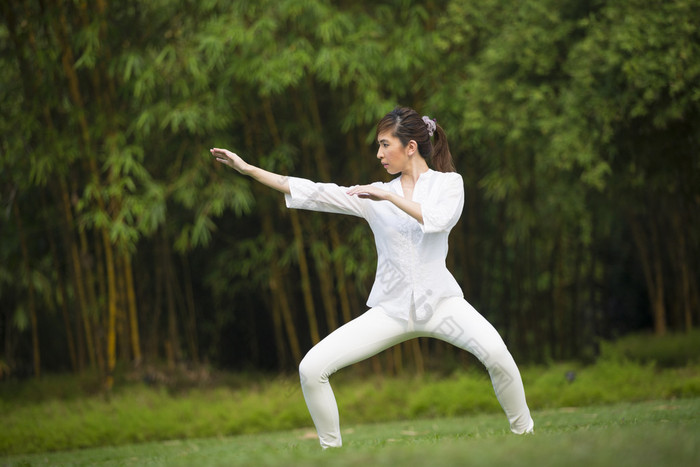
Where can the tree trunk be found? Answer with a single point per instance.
(93, 263)
(397, 358)
(31, 305)
(274, 304)
(298, 239)
(318, 246)
(123, 328)
(191, 314)
(63, 296)
(325, 278)
(321, 162)
(160, 279)
(111, 311)
(78, 277)
(653, 273)
(573, 338)
(682, 259)
(134, 333)
(68, 61)
(305, 277)
(173, 341)
(417, 356)
(275, 282)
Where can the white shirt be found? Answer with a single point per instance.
(411, 270)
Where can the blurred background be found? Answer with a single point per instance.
(575, 124)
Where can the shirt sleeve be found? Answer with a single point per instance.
(443, 207)
(323, 197)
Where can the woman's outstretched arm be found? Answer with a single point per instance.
(273, 180)
(411, 208)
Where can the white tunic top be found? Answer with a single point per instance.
(411, 271)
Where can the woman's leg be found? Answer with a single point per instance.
(357, 340)
(458, 323)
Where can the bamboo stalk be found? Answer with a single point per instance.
(298, 240)
(63, 296)
(321, 162)
(134, 333)
(275, 284)
(78, 280)
(191, 313)
(67, 61)
(173, 341)
(123, 339)
(650, 267)
(36, 351)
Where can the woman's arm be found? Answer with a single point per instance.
(411, 208)
(273, 180)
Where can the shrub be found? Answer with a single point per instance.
(672, 350)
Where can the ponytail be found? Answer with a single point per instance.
(441, 156)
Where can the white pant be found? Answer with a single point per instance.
(454, 321)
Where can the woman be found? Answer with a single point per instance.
(414, 295)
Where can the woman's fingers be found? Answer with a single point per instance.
(229, 158)
(222, 155)
(363, 189)
(366, 192)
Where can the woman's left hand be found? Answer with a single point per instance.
(369, 192)
(411, 208)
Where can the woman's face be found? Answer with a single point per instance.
(391, 153)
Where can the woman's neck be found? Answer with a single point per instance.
(413, 171)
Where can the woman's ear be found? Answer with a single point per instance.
(412, 147)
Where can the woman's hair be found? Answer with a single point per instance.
(405, 124)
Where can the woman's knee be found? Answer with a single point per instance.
(305, 368)
(311, 368)
(493, 353)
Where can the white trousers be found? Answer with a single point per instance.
(454, 321)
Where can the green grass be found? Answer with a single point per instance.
(136, 413)
(653, 433)
(218, 412)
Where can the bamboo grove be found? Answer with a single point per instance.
(575, 124)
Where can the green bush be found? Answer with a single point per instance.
(671, 350)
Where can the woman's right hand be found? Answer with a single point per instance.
(270, 179)
(230, 158)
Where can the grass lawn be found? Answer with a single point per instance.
(652, 433)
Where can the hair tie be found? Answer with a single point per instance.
(430, 123)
